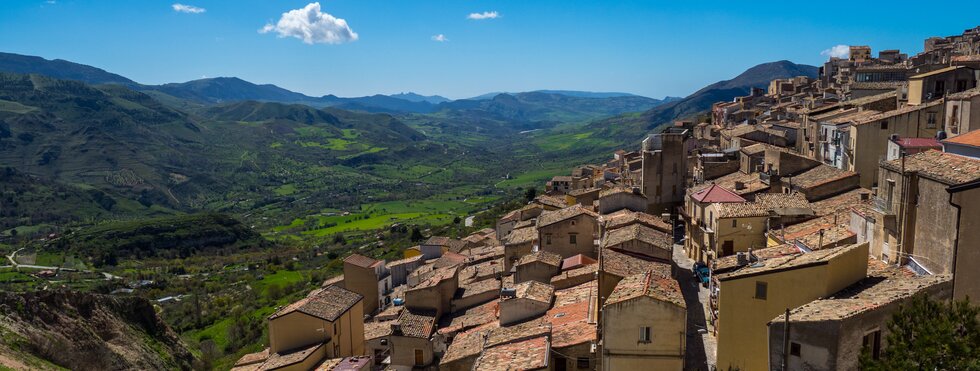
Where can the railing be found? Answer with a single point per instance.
(882, 205)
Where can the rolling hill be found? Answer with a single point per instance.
(634, 126)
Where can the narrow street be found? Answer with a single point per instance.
(701, 345)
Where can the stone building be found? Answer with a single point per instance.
(644, 324)
(664, 167)
(568, 232)
(369, 278)
(537, 266)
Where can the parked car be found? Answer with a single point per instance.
(702, 273)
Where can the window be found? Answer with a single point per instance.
(582, 362)
(572, 238)
(675, 169)
(872, 343)
(884, 125)
(644, 334)
(931, 120)
(547, 239)
(761, 289)
(419, 358)
(572, 222)
(734, 223)
(335, 328)
(794, 349)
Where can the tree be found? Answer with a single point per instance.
(456, 220)
(930, 335)
(530, 194)
(416, 234)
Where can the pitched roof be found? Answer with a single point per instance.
(518, 332)
(327, 303)
(375, 330)
(465, 344)
(417, 325)
(280, 360)
(716, 193)
(944, 167)
(619, 190)
(530, 354)
(787, 262)
(361, 261)
(572, 318)
(552, 201)
(779, 203)
(971, 139)
(551, 217)
(437, 277)
(653, 284)
(626, 217)
(576, 261)
(896, 112)
(727, 263)
(638, 232)
(522, 235)
(534, 290)
(541, 256)
(819, 175)
(872, 293)
(936, 72)
(622, 264)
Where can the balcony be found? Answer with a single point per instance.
(882, 206)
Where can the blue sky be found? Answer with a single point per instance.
(651, 48)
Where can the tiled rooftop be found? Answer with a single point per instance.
(470, 318)
(871, 293)
(618, 190)
(654, 284)
(541, 256)
(361, 261)
(518, 332)
(278, 360)
(638, 232)
(787, 262)
(944, 167)
(838, 203)
(437, 277)
(530, 354)
(327, 303)
(766, 203)
(253, 358)
(375, 330)
(623, 264)
(852, 117)
(835, 231)
(417, 325)
(817, 176)
(751, 182)
(727, 263)
(450, 259)
(552, 217)
(523, 235)
(716, 193)
(552, 201)
(480, 287)
(466, 344)
(626, 217)
(398, 262)
(971, 139)
(897, 112)
(534, 290)
(587, 270)
(576, 261)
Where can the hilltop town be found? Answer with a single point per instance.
(818, 204)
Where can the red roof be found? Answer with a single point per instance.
(919, 143)
(716, 193)
(576, 261)
(971, 139)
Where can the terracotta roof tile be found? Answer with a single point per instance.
(944, 167)
(375, 330)
(870, 294)
(327, 303)
(535, 291)
(716, 193)
(518, 332)
(638, 232)
(622, 264)
(523, 235)
(576, 261)
(361, 261)
(625, 217)
(530, 354)
(417, 325)
(971, 139)
(466, 344)
(654, 284)
(542, 256)
(817, 176)
(280, 360)
(787, 262)
(552, 217)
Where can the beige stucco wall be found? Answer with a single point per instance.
(516, 310)
(870, 142)
(620, 328)
(437, 298)
(363, 281)
(620, 201)
(742, 318)
(749, 233)
(584, 226)
(535, 271)
(960, 114)
(514, 252)
(403, 350)
(934, 227)
(967, 278)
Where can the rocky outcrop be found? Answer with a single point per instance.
(85, 331)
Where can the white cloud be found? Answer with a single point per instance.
(440, 38)
(312, 26)
(837, 51)
(484, 15)
(182, 8)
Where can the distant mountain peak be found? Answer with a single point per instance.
(414, 97)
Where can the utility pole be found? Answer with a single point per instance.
(786, 341)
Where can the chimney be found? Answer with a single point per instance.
(742, 258)
(739, 186)
(865, 196)
(665, 217)
(396, 329)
